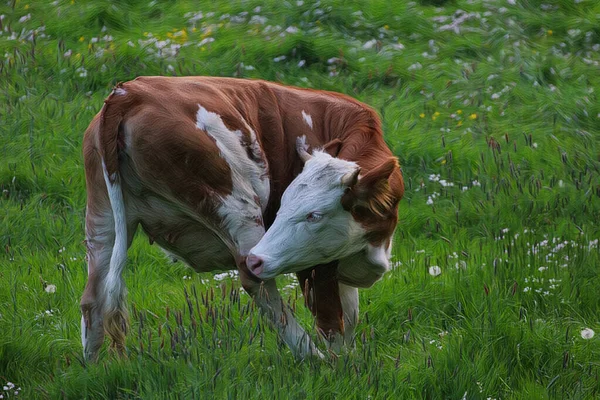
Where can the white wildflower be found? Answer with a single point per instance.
(279, 58)
(205, 41)
(370, 44)
(25, 18)
(434, 270)
(587, 333)
(258, 19)
(415, 66)
(50, 289)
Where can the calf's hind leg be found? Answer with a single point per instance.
(108, 236)
(103, 304)
(100, 238)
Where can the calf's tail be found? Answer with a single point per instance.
(115, 309)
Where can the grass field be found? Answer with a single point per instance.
(494, 114)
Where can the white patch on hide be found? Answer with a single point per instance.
(308, 119)
(242, 217)
(120, 92)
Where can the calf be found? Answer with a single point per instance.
(205, 165)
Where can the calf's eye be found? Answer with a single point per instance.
(314, 216)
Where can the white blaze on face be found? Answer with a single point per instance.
(311, 226)
(308, 119)
(241, 215)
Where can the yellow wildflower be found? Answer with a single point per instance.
(81, 39)
(443, 161)
(183, 35)
(386, 27)
(459, 112)
(422, 115)
(459, 123)
(473, 116)
(27, 6)
(194, 29)
(549, 32)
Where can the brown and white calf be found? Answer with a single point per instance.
(206, 165)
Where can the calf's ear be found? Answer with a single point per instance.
(377, 177)
(371, 192)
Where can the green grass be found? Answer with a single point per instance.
(498, 126)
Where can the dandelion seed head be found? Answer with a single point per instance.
(587, 333)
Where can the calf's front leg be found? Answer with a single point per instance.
(270, 303)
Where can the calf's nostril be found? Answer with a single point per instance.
(255, 264)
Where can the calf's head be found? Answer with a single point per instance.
(329, 212)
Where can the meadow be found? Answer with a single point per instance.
(492, 109)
